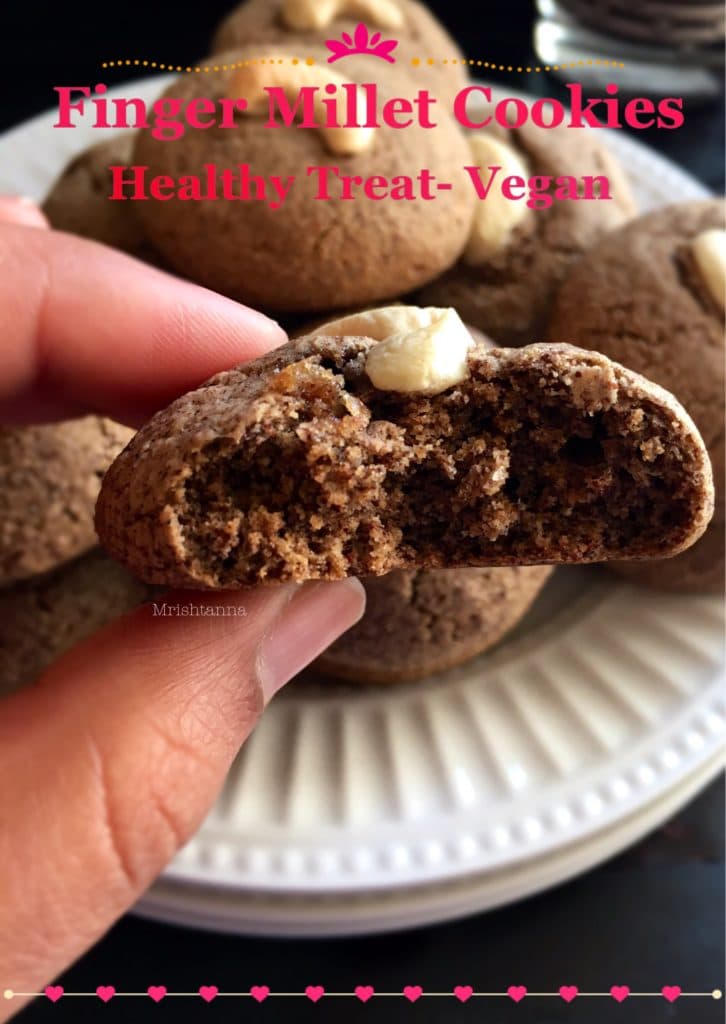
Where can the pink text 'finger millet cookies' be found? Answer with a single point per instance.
(338, 456)
(652, 296)
(517, 256)
(306, 24)
(287, 239)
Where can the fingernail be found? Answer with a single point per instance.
(255, 314)
(316, 615)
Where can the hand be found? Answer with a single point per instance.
(111, 760)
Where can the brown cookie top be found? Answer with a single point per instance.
(639, 298)
(419, 35)
(509, 296)
(426, 621)
(50, 476)
(42, 618)
(308, 254)
(295, 467)
(78, 201)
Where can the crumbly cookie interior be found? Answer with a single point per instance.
(520, 464)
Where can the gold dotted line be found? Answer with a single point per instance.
(203, 68)
(415, 62)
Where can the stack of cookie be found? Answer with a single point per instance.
(56, 585)
(611, 481)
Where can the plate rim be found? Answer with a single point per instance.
(181, 903)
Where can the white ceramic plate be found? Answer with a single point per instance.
(605, 701)
(249, 913)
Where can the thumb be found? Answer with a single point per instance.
(113, 758)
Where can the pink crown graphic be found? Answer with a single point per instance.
(361, 43)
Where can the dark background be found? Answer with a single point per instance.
(653, 916)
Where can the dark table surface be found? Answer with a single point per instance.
(650, 917)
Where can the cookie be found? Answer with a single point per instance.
(300, 253)
(426, 621)
(49, 480)
(310, 23)
(650, 297)
(350, 456)
(516, 257)
(42, 618)
(78, 201)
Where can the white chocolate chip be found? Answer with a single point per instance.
(307, 14)
(251, 81)
(709, 252)
(496, 216)
(380, 323)
(426, 353)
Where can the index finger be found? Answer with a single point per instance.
(86, 328)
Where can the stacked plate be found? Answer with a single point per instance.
(364, 809)
(355, 810)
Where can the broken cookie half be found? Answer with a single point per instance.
(394, 440)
